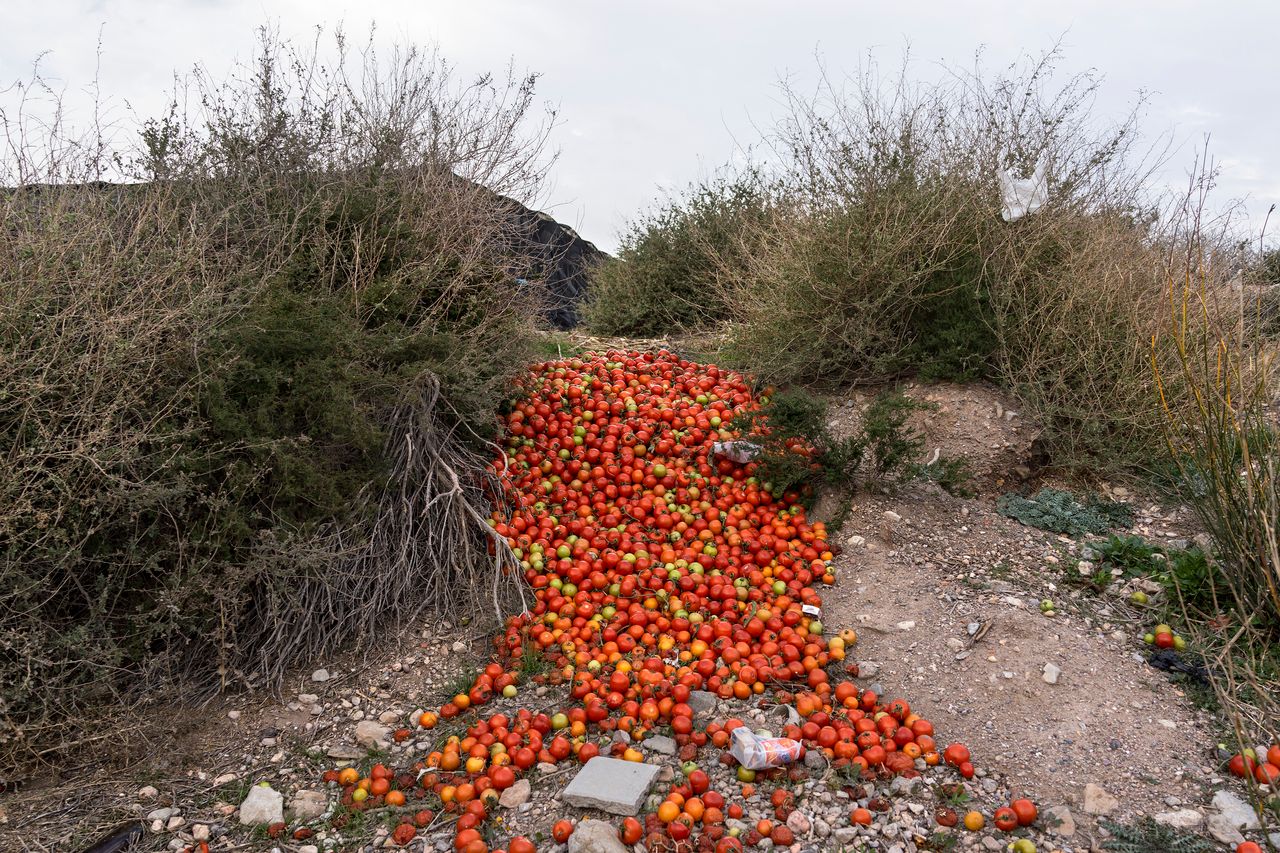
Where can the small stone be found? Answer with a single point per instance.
(233, 715)
(856, 541)
(821, 829)
(308, 805)
(1168, 724)
(660, 744)
(798, 823)
(388, 718)
(517, 795)
(200, 832)
(459, 646)
(1222, 828)
(1097, 801)
(814, 760)
(990, 843)
(320, 675)
(702, 702)
(262, 806)
(224, 779)
(1051, 673)
(162, 815)
(906, 626)
(372, 735)
(1181, 819)
(595, 836)
(148, 792)
(345, 753)
(175, 823)
(308, 848)
(1239, 813)
(308, 698)
(611, 785)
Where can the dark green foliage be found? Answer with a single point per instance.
(881, 451)
(1147, 836)
(1059, 512)
(952, 473)
(890, 441)
(663, 277)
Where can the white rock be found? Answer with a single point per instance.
(1098, 801)
(1051, 673)
(162, 815)
(263, 806)
(175, 823)
(459, 646)
(372, 735)
(224, 779)
(517, 795)
(308, 698)
(148, 792)
(1239, 813)
(906, 626)
(320, 675)
(1181, 819)
(595, 836)
(389, 718)
(200, 832)
(233, 715)
(308, 805)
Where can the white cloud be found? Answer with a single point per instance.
(656, 94)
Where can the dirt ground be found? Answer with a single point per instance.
(918, 572)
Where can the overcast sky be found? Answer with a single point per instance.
(653, 95)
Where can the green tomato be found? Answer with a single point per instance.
(1179, 643)
(1149, 639)
(1139, 597)
(509, 691)
(688, 767)
(745, 775)
(559, 721)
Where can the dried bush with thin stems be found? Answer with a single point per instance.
(883, 252)
(1225, 447)
(246, 390)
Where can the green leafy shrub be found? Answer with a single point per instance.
(799, 451)
(663, 277)
(1059, 512)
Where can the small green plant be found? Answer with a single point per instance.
(1147, 836)
(462, 680)
(1058, 511)
(890, 441)
(531, 663)
(799, 451)
(1133, 555)
(952, 473)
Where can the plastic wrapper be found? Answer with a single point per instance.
(1023, 195)
(755, 752)
(741, 452)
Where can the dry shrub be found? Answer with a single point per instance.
(245, 391)
(885, 253)
(1225, 446)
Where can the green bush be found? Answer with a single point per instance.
(244, 398)
(882, 253)
(798, 450)
(664, 276)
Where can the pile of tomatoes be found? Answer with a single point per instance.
(658, 569)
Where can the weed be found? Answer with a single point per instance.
(462, 680)
(1147, 836)
(952, 473)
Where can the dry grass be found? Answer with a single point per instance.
(1225, 444)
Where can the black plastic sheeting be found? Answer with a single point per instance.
(563, 263)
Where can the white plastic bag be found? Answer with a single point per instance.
(1023, 195)
(741, 452)
(755, 752)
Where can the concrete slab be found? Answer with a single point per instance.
(611, 785)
